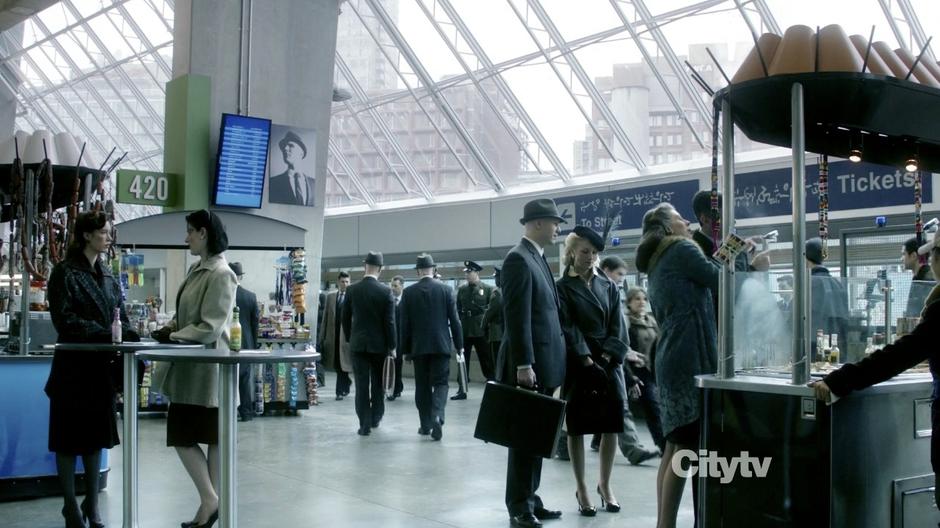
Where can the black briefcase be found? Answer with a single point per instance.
(520, 419)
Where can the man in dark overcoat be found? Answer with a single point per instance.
(247, 304)
(369, 323)
(430, 330)
(532, 353)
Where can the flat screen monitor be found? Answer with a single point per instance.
(241, 162)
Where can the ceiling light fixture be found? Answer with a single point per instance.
(855, 155)
(911, 165)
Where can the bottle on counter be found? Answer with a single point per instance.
(116, 327)
(834, 351)
(235, 333)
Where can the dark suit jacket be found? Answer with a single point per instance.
(281, 190)
(532, 333)
(247, 305)
(369, 317)
(429, 322)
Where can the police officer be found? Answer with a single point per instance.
(472, 301)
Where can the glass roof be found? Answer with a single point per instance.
(447, 100)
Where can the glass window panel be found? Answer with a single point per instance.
(928, 13)
(56, 17)
(89, 7)
(578, 19)
(110, 37)
(430, 49)
(496, 29)
(149, 21)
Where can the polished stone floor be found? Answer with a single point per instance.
(313, 470)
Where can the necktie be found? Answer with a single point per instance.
(298, 189)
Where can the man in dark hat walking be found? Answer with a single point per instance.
(472, 300)
(292, 186)
(247, 304)
(430, 329)
(369, 323)
(532, 353)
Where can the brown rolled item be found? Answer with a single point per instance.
(876, 64)
(890, 58)
(752, 68)
(796, 52)
(931, 66)
(836, 51)
(921, 74)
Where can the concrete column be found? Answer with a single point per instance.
(287, 77)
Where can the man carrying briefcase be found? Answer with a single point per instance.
(532, 353)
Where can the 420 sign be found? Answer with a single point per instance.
(146, 188)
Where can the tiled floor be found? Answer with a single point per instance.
(314, 470)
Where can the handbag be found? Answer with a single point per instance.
(519, 419)
(388, 375)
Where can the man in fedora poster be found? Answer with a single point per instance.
(293, 186)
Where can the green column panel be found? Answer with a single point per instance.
(186, 141)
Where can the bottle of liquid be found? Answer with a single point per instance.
(235, 333)
(820, 345)
(116, 327)
(826, 349)
(834, 351)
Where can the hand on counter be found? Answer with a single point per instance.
(162, 335)
(822, 391)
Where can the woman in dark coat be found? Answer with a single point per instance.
(82, 298)
(644, 332)
(681, 283)
(596, 341)
(913, 348)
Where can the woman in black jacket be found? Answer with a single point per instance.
(82, 298)
(596, 341)
(919, 345)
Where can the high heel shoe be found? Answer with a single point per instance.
(611, 506)
(586, 511)
(208, 524)
(73, 519)
(87, 516)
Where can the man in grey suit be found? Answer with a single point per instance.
(292, 186)
(369, 324)
(430, 329)
(532, 353)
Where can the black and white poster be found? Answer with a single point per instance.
(291, 166)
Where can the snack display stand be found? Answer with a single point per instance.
(863, 461)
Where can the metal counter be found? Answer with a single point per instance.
(863, 461)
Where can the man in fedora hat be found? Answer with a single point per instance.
(247, 304)
(369, 323)
(430, 329)
(532, 353)
(292, 186)
(472, 301)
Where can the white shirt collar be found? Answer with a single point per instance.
(538, 247)
(376, 277)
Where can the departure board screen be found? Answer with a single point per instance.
(241, 162)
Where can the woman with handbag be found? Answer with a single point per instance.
(204, 306)
(83, 296)
(596, 341)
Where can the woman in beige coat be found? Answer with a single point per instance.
(204, 307)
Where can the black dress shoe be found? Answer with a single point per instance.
(436, 430)
(544, 514)
(459, 396)
(375, 424)
(363, 431)
(524, 520)
(640, 455)
(391, 398)
(339, 397)
(424, 431)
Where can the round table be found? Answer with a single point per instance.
(129, 440)
(228, 389)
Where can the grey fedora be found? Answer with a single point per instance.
(540, 208)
